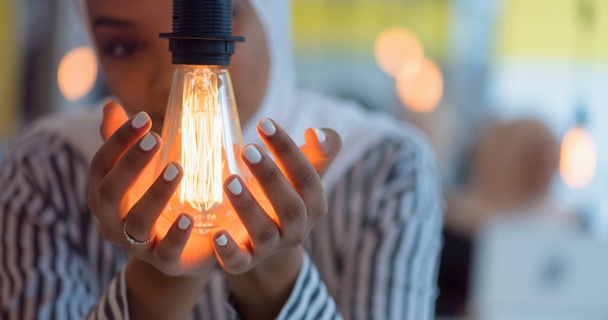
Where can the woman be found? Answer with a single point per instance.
(372, 254)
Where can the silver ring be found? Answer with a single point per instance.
(133, 240)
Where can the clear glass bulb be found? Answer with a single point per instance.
(202, 133)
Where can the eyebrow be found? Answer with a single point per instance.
(111, 22)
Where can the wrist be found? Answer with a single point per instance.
(153, 294)
(270, 284)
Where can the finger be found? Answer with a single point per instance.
(298, 170)
(286, 202)
(232, 258)
(115, 185)
(113, 117)
(118, 143)
(168, 251)
(263, 231)
(142, 217)
(321, 148)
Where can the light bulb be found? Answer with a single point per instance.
(201, 130)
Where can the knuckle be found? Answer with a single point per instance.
(130, 160)
(157, 191)
(97, 164)
(135, 225)
(267, 238)
(239, 266)
(228, 254)
(294, 211)
(245, 205)
(122, 137)
(105, 193)
(298, 239)
(283, 144)
(164, 257)
(320, 208)
(269, 175)
(174, 241)
(307, 179)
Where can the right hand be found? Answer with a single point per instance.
(127, 154)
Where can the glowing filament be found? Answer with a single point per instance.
(201, 185)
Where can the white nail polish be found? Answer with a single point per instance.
(267, 127)
(222, 240)
(252, 154)
(171, 172)
(320, 135)
(148, 142)
(140, 120)
(235, 186)
(183, 223)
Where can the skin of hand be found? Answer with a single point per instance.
(278, 213)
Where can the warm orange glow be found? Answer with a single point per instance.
(77, 73)
(398, 50)
(578, 158)
(421, 92)
(201, 185)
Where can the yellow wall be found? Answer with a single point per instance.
(345, 27)
(9, 80)
(553, 28)
(537, 28)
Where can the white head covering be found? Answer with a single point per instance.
(297, 111)
(278, 103)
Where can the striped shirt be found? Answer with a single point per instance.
(374, 256)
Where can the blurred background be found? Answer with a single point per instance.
(513, 95)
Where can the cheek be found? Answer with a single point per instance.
(250, 77)
(127, 85)
(251, 65)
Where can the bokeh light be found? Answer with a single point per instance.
(422, 91)
(578, 158)
(398, 50)
(77, 73)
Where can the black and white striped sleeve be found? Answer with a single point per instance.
(309, 298)
(53, 263)
(378, 249)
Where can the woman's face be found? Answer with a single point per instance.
(137, 63)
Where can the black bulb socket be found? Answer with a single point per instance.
(202, 32)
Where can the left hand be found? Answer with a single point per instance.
(291, 186)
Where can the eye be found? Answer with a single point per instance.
(121, 49)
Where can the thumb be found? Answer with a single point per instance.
(113, 117)
(321, 148)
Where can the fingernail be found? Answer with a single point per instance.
(148, 142)
(107, 104)
(267, 127)
(252, 154)
(140, 120)
(321, 137)
(183, 223)
(222, 240)
(235, 186)
(171, 172)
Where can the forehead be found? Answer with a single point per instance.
(132, 10)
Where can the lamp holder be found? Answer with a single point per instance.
(202, 32)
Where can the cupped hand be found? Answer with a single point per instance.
(127, 200)
(280, 210)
